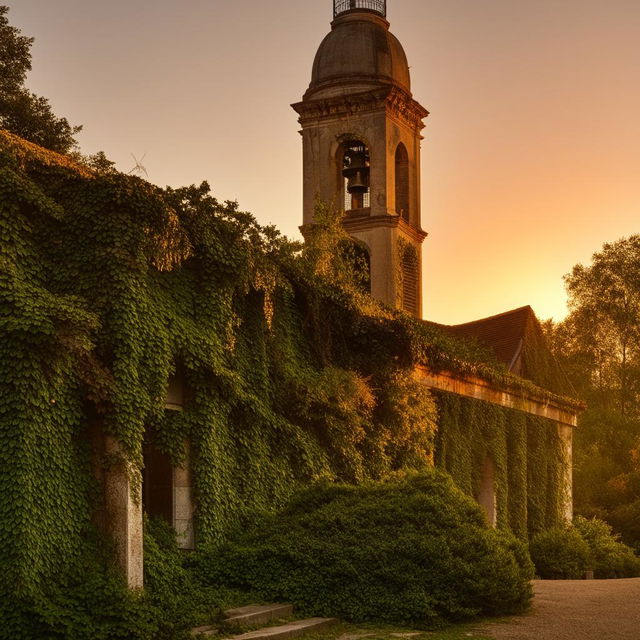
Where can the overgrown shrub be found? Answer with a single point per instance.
(171, 588)
(89, 600)
(565, 554)
(610, 558)
(414, 550)
(560, 554)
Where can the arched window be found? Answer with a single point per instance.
(362, 266)
(402, 182)
(356, 258)
(409, 270)
(356, 175)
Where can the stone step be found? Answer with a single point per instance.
(290, 630)
(206, 631)
(255, 614)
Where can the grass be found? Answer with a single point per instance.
(345, 631)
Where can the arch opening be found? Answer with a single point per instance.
(402, 182)
(356, 174)
(356, 255)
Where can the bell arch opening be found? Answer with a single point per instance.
(402, 182)
(354, 161)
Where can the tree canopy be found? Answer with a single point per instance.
(21, 111)
(599, 346)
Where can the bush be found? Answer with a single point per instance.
(88, 601)
(560, 554)
(412, 551)
(611, 558)
(565, 554)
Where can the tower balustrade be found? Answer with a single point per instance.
(343, 6)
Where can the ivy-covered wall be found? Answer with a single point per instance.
(526, 452)
(109, 285)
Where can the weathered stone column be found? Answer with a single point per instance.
(487, 497)
(565, 432)
(183, 503)
(123, 512)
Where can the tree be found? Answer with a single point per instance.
(604, 300)
(21, 111)
(599, 347)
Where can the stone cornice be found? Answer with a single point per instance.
(395, 101)
(553, 408)
(356, 221)
(365, 221)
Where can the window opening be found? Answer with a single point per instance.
(410, 281)
(402, 182)
(356, 174)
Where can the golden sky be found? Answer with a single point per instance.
(531, 157)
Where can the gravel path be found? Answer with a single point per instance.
(577, 610)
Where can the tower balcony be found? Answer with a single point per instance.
(344, 6)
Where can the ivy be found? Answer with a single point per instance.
(109, 286)
(525, 451)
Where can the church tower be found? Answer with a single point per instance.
(361, 147)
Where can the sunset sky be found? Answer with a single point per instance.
(531, 157)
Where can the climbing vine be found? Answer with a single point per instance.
(526, 452)
(109, 286)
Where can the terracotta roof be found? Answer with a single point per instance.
(504, 333)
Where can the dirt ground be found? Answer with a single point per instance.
(577, 610)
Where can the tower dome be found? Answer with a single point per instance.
(359, 53)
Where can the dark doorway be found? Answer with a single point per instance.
(157, 482)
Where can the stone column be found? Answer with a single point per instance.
(183, 505)
(123, 512)
(487, 497)
(565, 432)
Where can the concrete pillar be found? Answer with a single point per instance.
(565, 432)
(123, 512)
(183, 503)
(487, 497)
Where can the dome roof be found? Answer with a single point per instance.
(358, 54)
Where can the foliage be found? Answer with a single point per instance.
(21, 111)
(331, 253)
(411, 551)
(525, 451)
(598, 346)
(605, 302)
(566, 553)
(168, 583)
(110, 285)
(560, 554)
(88, 600)
(610, 558)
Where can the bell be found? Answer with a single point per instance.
(356, 181)
(356, 171)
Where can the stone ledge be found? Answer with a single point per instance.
(479, 389)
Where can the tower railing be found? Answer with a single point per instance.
(342, 6)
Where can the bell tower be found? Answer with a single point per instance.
(361, 147)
